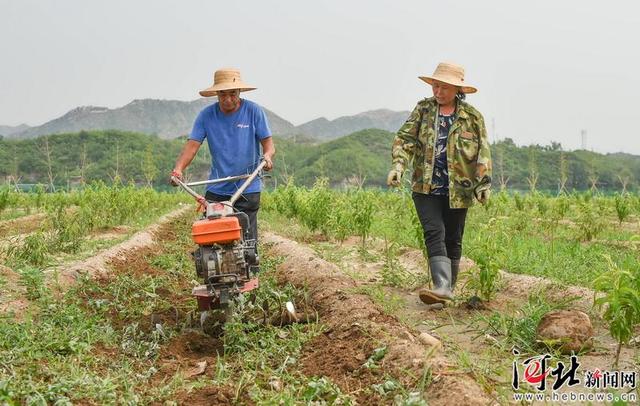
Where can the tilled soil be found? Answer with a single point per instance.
(487, 360)
(356, 326)
(21, 225)
(190, 347)
(98, 264)
(12, 294)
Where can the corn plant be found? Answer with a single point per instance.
(501, 203)
(621, 302)
(542, 204)
(40, 197)
(520, 221)
(636, 204)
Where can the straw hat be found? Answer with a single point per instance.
(452, 74)
(226, 79)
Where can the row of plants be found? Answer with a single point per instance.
(531, 234)
(70, 217)
(106, 341)
(582, 239)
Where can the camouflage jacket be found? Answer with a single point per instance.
(468, 154)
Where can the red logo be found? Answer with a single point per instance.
(535, 372)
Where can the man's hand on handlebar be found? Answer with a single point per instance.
(269, 163)
(175, 174)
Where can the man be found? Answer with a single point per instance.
(235, 130)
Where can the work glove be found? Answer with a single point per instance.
(482, 190)
(177, 174)
(395, 175)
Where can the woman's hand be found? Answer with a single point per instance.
(395, 175)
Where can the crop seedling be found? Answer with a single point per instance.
(341, 220)
(590, 222)
(623, 208)
(376, 356)
(33, 280)
(363, 215)
(621, 301)
(550, 224)
(487, 254)
(33, 250)
(323, 391)
(317, 207)
(4, 199)
(392, 272)
(519, 202)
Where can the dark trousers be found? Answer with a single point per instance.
(443, 227)
(248, 203)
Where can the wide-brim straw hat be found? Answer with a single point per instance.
(452, 74)
(226, 79)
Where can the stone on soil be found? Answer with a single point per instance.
(567, 330)
(429, 340)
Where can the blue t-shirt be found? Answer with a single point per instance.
(440, 178)
(234, 143)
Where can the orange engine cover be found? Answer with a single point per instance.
(218, 231)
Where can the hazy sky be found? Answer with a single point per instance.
(545, 69)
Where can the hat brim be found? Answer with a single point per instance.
(213, 90)
(464, 88)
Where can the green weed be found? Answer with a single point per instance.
(34, 282)
(390, 303)
(519, 330)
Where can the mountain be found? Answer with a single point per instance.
(382, 119)
(170, 119)
(166, 118)
(7, 130)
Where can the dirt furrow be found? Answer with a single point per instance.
(21, 225)
(68, 273)
(356, 326)
(13, 300)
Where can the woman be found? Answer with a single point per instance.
(446, 140)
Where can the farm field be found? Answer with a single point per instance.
(96, 305)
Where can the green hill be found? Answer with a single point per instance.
(359, 158)
(91, 155)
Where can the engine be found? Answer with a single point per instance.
(238, 258)
(224, 260)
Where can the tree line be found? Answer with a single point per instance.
(359, 159)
